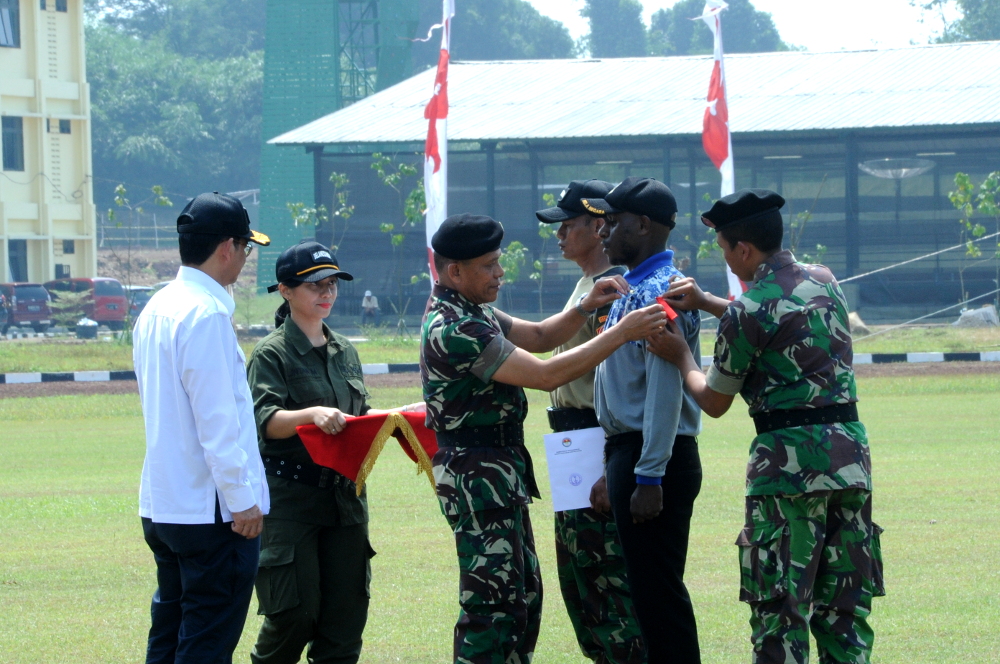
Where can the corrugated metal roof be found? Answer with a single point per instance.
(952, 84)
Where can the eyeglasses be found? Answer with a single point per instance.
(247, 247)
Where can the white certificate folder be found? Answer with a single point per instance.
(576, 461)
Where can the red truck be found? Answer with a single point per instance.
(107, 303)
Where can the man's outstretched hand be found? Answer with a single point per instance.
(605, 291)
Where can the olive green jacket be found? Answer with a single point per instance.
(286, 372)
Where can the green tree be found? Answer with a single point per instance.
(971, 201)
(546, 232)
(979, 20)
(493, 30)
(512, 260)
(616, 28)
(393, 174)
(175, 105)
(744, 30)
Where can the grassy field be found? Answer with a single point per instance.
(76, 355)
(76, 577)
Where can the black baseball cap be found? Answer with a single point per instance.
(218, 214)
(307, 261)
(570, 203)
(642, 196)
(744, 205)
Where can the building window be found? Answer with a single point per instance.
(64, 126)
(62, 272)
(69, 246)
(13, 143)
(10, 23)
(61, 5)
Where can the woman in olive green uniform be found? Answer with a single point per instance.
(313, 582)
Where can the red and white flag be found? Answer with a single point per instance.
(436, 147)
(715, 136)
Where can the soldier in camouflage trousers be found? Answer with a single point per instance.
(473, 372)
(810, 556)
(592, 574)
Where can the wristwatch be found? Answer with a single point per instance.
(580, 310)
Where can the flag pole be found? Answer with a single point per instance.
(436, 146)
(716, 137)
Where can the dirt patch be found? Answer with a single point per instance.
(68, 388)
(925, 369)
(393, 380)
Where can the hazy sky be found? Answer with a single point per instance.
(818, 25)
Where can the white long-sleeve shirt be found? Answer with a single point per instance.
(201, 439)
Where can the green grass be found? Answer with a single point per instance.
(76, 577)
(55, 355)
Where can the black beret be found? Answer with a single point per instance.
(307, 261)
(642, 196)
(744, 205)
(570, 203)
(464, 236)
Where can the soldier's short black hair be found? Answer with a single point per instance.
(765, 234)
(441, 263)
(196, 248)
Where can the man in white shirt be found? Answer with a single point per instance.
(203, 496)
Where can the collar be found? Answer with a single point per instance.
(613, 270)
(453, 297)
(782, 259)
(649, 266)
(300, 342)
(195, 276)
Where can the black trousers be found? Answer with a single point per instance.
(204, 575)
(655, 551)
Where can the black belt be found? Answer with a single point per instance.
(800, 417)
(499, 435)
(624, 438)
(303, 472)
(570, 419)
(635, 438)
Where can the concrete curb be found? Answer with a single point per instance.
(376, 369)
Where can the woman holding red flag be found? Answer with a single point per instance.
(313, 582)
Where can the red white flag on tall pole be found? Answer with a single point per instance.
(436, 147)
(715, 136)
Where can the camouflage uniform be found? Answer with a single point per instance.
(485, 487)
(809, 552)
(592, 574)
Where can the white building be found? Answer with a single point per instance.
(47, 215)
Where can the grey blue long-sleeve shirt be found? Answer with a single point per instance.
(638, 391)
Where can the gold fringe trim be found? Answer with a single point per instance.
(392, 422)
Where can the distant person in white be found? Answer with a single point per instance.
(369, 309)
(203, 495)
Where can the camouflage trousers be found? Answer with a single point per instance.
(595, 588)
(500, 586)
(810, 562)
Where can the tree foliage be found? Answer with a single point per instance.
(176, 91)
(978, 20)
(494, 30)
(744, 30)
(616, 28)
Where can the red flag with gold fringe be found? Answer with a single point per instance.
(353, 451)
